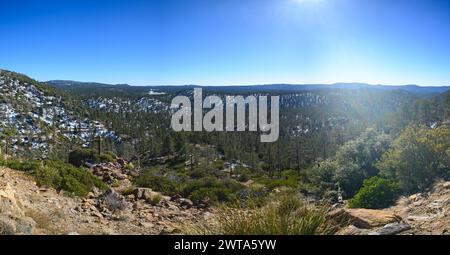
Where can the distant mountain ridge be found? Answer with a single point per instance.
(251, 88)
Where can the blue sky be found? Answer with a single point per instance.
(218, 42)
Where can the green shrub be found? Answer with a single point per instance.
(129, 166)
(243, 177)
(80, 156)
(418, 157)
(25, 166)
(201, 194)
(62, 176)
(217, 164)
(289, 178)
(158, 183)
(350, 178)
(212, 188)
(107, 157)
(332, 196)
(59, 175)
(198, 173)
(255, 194)
(322, 175)
(243, 173)
(364, 151)
(354, 162)
(376, 193)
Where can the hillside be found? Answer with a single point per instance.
(26, 208)
(29, 209)
(34, 118)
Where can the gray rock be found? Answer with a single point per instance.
(7, 226)
(184, 202)
(113, 201)
(17, 226)
(392, 229)
(25, 225)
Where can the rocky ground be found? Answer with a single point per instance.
(26, 208)
(427, 213)
(420, 214)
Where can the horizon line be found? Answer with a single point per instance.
(251, 85)
(235, 84)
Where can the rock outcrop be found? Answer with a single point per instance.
(367, 218)
(427, 212)
(364, 218)
(118, 173)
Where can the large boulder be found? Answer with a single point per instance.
(369, 218)
(364, 218)
(112, 201)
(149, 195)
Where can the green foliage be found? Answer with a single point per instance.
(275, 183)
(418, 157)
(59, 175)
(255, 195)
(217, 164)
(107, 156)
(129, 166)
(201, 194)
(376, 193)
(447, 105)
(7, 134)
(350, 178)
(322, 175)
(354, 162)
(158, 183)
(216, 190)
(198, 190)
(364, 151)
(80, 156)
(25, 166)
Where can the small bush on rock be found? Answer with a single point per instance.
(376, 193)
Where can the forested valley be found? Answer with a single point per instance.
(353, 147)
